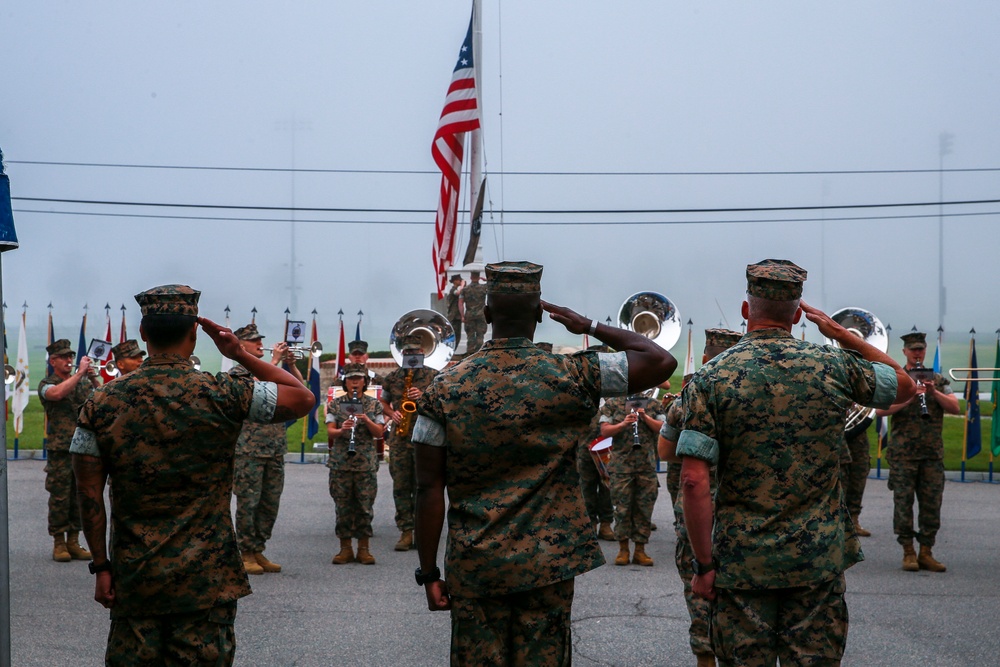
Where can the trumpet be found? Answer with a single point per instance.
(314, 350)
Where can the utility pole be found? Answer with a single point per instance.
(293, 127)
(945, 141)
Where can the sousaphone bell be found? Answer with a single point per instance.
(864, 324)
(652, 315)
(437, 337)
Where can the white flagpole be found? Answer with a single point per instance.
(476, 140)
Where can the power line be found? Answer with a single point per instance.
(424, 172)
(298, 209)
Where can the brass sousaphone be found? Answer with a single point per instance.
(865, 325)
(652, 315)
(437, 340)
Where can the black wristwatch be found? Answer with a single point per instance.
(431, 576)
(103, 567)
(702, 568)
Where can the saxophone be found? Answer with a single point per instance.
(407, 407)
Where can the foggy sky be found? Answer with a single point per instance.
(585, 86)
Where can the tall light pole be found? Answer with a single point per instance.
(944, 148)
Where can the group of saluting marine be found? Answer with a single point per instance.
(495, 442)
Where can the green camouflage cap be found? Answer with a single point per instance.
(59, 348)
(915, 340)
(514, 278)
(357, 347)
(355, 370)
(169, 300)
(127, 350)
(249, 332)
(411, 342)
(544, 346)
(775, 280)
(724, 338)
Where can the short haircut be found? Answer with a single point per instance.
(167, 330)
(775, 311)
(514, 307)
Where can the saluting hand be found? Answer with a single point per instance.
(826, 326)
(573, 321)
(224, 339)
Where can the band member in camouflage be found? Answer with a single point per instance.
(474, 300)
(770, 412)
(500, 432)
(166, 435)
(454, 306)
(916, 460)
(128, 356)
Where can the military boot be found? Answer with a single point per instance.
(250, 564)
(910, 558)
(926, 560)
(623, 556)
(364, 556)
(405, 541)
(346, 554)
(59, 552)
(640, 557)
(705, 660)
(605, 532)
(76, 552)
(267, 565)
(859, 531)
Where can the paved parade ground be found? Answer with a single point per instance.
(318, 614)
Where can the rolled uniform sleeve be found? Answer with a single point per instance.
(697, 436)
(614, 373)
(263, 403)
(84, 442)
(886, 385)
(426, 431)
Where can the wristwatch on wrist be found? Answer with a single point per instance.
(431, 576)
(103, 567)
(702, 568)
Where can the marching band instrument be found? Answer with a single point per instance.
(195, 361)
(994, 371)
(315, 350)
(921, 374)
(652, 315)
(8, 374)
(407, 407)
(111, 368)
(437, 337)
(866, 326)
(600, 451)
(351, 451)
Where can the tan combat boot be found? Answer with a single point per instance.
(623, 556)
(267, 565)
(346, 554)
(605, 532)
(76, 552)
(926, 561)
(364, 556)
(59, 552)
(640, 557)
(250, 564)
(705, 660)
(910, 558)
(859, 531)
(405, 541)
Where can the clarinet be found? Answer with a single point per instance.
(924, 412)
(351, 451)
(636, 444)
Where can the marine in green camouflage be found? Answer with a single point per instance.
(353, 479)
(64, 511)
(258, 479)
(671, 431)
(203, 637)
(633, 470)
(596, 496)
(452, 307)
(401, 466)
(474, 296)
(854, 472)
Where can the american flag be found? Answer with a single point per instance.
(460, 115)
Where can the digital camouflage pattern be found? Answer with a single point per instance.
(671, 430)
(353, 479)
(257, 484)
(167, 437)
(512, 417)
(514, 278)
(596, 496)
(912, 438)
(854, 471)
(364, 444)
(634, 486)
(401, 461)
(64, 511)
(474, 296)
(771, 409)
(127, 350)
(775, 279)
(526, 628)
(454, 311)
(62, 414)
(203, 637)
(169, 300)
(259, 440)
(924, 480)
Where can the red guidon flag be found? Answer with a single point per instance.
(460, 115)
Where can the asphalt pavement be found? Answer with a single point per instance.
(318, 614)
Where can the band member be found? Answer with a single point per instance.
(596, 496)
(769, 412)
(699, 609)
(400, 391)
(353, 422)
(357, 352)
(455, 307)
(128, 356)
(259, 469)
(62, 394)
(474, 300)
(855, 464)
(916, 458)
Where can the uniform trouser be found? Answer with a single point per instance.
(64, 508)
(456, 326)
(527, 628)
(699, 609)
(404, 482)
(633, 495)
(353, 494)
(257, 483)
(854, 475)
(801, 626)
(923, 479)
(475, 331)
(596, 496)
(204, 637)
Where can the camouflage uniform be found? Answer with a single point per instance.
(671, 430)
(854, 471)
(454, 313)
(916, 468)
(474, 296)
(404, 482)
(64, 511)
(511, 419)
(258, 479)
(633, 471)
(596, 496)
(354, 479)
(167, 436)
(770, 411)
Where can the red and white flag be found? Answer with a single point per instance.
(459, 116)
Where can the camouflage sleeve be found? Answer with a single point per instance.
(377, 412)
(428, 429)
(614, 373)
(605, 415)
(671, 423)
(331, 412)
(84, 442)
(870, 383)
(43, 387)
(943, 384)
(697, 438)
(388, 395)
(263, 402)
